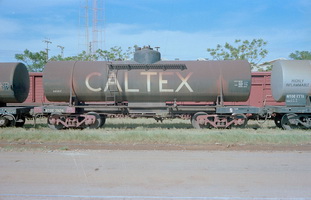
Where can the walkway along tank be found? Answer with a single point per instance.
(291, 83)
(141, 88)
(14, 88)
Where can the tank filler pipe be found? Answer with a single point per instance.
(221, 93)
(71, 84)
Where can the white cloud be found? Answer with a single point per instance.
(193, 45)
(8, 26)
(173, 44)
(31, 37)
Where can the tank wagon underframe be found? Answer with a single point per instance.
(94, 116)
(290, 117)
(14, 116)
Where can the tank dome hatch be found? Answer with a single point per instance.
(146, 55)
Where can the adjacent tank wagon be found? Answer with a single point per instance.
(291, 77)
(14, 88)
(291, 83)
(14, 83)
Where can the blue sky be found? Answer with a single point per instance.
(183, 29)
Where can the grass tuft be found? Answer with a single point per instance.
(147, 131)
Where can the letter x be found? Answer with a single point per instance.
(184, 82)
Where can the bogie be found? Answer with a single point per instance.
(204, 120)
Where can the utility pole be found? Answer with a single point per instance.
(62, 50)
(91, 16)
(90, 48)
(47, 41)
(87, 25)
(94, 27)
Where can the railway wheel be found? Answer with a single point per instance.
(20, 122)
(240, 119)
(52, 121)
(195, 123)
(289, 121)
(98, 121)
(7, 121)
(277, 120)
(3, 121)
(103, 120)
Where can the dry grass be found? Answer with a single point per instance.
(148, 131)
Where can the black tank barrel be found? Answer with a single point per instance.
(14, 83)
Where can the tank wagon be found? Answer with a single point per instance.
(146, 87)
(14, 88)
(260, 95)
(210, 93)
(291, 83)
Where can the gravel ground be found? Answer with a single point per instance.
(154, 174)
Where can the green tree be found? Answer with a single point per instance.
(83, 56)
(253, 51)
(114, 54)
(301, 55)
(33, 60)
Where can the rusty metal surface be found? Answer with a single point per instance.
(290, 77)
(57, 79)
(260, 92)
(201, 81)
(14, 83)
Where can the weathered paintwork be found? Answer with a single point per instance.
(200, 81)
(146, 55)
(260, 92)
(290, 77)
(14, 83)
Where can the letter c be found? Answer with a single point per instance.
(88, 79)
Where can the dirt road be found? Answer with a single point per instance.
(113, 174)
